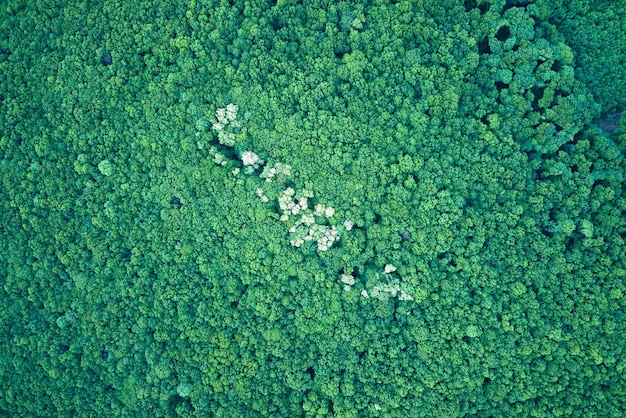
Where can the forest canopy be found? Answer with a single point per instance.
(313, 208)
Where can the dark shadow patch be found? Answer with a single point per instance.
(483, 46)
(549, 229)
(470, 5)
(511, 4)
(106, 59)
(610, 123)
(503, 33)
(275, 24)
(537, 95)
(556, 66)
(176, 203)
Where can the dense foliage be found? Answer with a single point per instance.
(477, 146)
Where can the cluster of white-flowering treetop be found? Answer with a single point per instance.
(226, 124)
(389, 289)
(310, 223)
(381, 291)
(307, 222)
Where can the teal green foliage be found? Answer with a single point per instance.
(596, 32)
(140, 278)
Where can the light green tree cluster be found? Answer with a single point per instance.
(308, 226)
(277, 171)
(226, 124)
(311, 225)
(391, 288)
